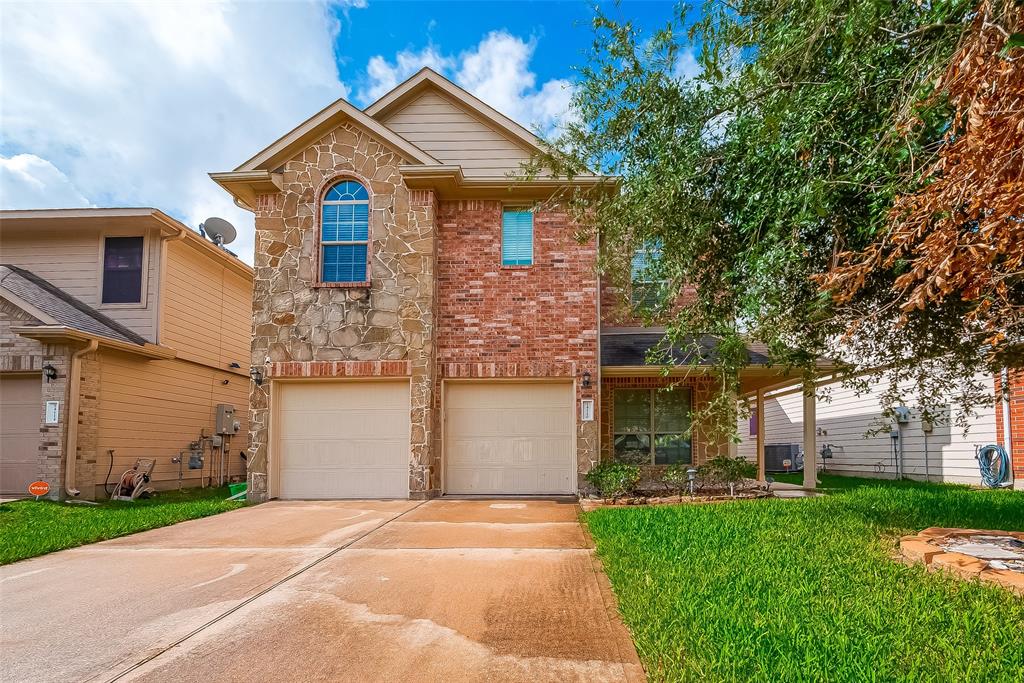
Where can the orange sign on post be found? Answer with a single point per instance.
(38, 488)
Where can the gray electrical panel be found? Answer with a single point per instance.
(226, 424)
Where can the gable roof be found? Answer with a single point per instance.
(53, 306)
(319, 125)
(427, 79)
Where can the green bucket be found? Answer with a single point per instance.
(237, 488)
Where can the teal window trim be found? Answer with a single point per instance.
(516, 236)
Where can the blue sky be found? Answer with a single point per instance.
(560, 29)
(133, 103)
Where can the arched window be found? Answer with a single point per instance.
(345, 234)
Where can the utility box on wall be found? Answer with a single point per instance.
(226, 424)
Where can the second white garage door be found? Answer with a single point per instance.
(509, 438)
(343, 440)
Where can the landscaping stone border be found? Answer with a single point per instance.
(927, 547)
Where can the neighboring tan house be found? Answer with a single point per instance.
(121, 331)
(424, 324)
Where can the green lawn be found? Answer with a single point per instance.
(809, 589)
(29, 528)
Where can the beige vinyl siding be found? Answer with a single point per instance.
(846, 418)
(155, 408)
(72, 261)
(454, 136)
(206, 309)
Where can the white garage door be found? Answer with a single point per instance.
(509, 438)
(343, 440)
(20, 410)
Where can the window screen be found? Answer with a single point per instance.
(345, 233)
(122, 270)
(517, 237)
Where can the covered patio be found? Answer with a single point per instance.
(626, 354)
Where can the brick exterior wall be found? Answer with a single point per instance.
(701, 387)
(499, 321)
(1016, 399)
(302, 328)
(616, 308)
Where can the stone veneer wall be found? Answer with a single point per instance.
(533, 321)
(329, 329)
(701, 387)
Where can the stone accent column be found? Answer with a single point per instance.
(418, 320)
(52, 438)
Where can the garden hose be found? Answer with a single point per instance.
(994, 463)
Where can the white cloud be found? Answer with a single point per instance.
(686, 67)
(384, 75)
(28, 182)
(132, 104)
(497, 71)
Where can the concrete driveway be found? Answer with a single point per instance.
(503, 590)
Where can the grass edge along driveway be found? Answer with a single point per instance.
(29, 528)
(811, 589)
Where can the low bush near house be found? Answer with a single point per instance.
(675, 478)
(726, 471)
(614, 479)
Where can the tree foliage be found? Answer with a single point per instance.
(799, 146)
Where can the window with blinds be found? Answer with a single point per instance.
(517, 237)
(345, 233)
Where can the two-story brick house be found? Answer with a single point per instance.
(121, 331)
(424, 324)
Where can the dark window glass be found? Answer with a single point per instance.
(122, 270)
(652, 426)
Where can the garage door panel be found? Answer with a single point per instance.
(20, 413)
(509, 438)
(344, 440)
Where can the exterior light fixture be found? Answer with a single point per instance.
(691, 477)
(234, 365)
(49, 372)
(586, 379)
(257, 375)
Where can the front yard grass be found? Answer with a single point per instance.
(29, 528)
(811, 589)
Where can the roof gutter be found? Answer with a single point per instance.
(49, 333)
(74, 397)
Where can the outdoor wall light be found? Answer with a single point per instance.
(586, 379)
(257, 375)
(234, 365)
(50, 372)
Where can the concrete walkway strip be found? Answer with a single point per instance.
(257, 596)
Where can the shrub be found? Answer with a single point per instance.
(675, 478)
(614, 479)
(727, 471)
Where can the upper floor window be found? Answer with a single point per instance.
(517, 237)
(122, 270)
(345, 234)
(646, 282)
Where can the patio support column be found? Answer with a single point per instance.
(810, 436)
(759, 419)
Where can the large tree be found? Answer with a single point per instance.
(793, 154)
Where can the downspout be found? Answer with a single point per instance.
(1005, 405)
(71, 443)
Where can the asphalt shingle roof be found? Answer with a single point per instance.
(62, 307)
(625, 349)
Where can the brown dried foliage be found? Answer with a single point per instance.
(962, 233)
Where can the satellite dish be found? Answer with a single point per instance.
(219, 230)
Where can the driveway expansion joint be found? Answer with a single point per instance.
(252, 598)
